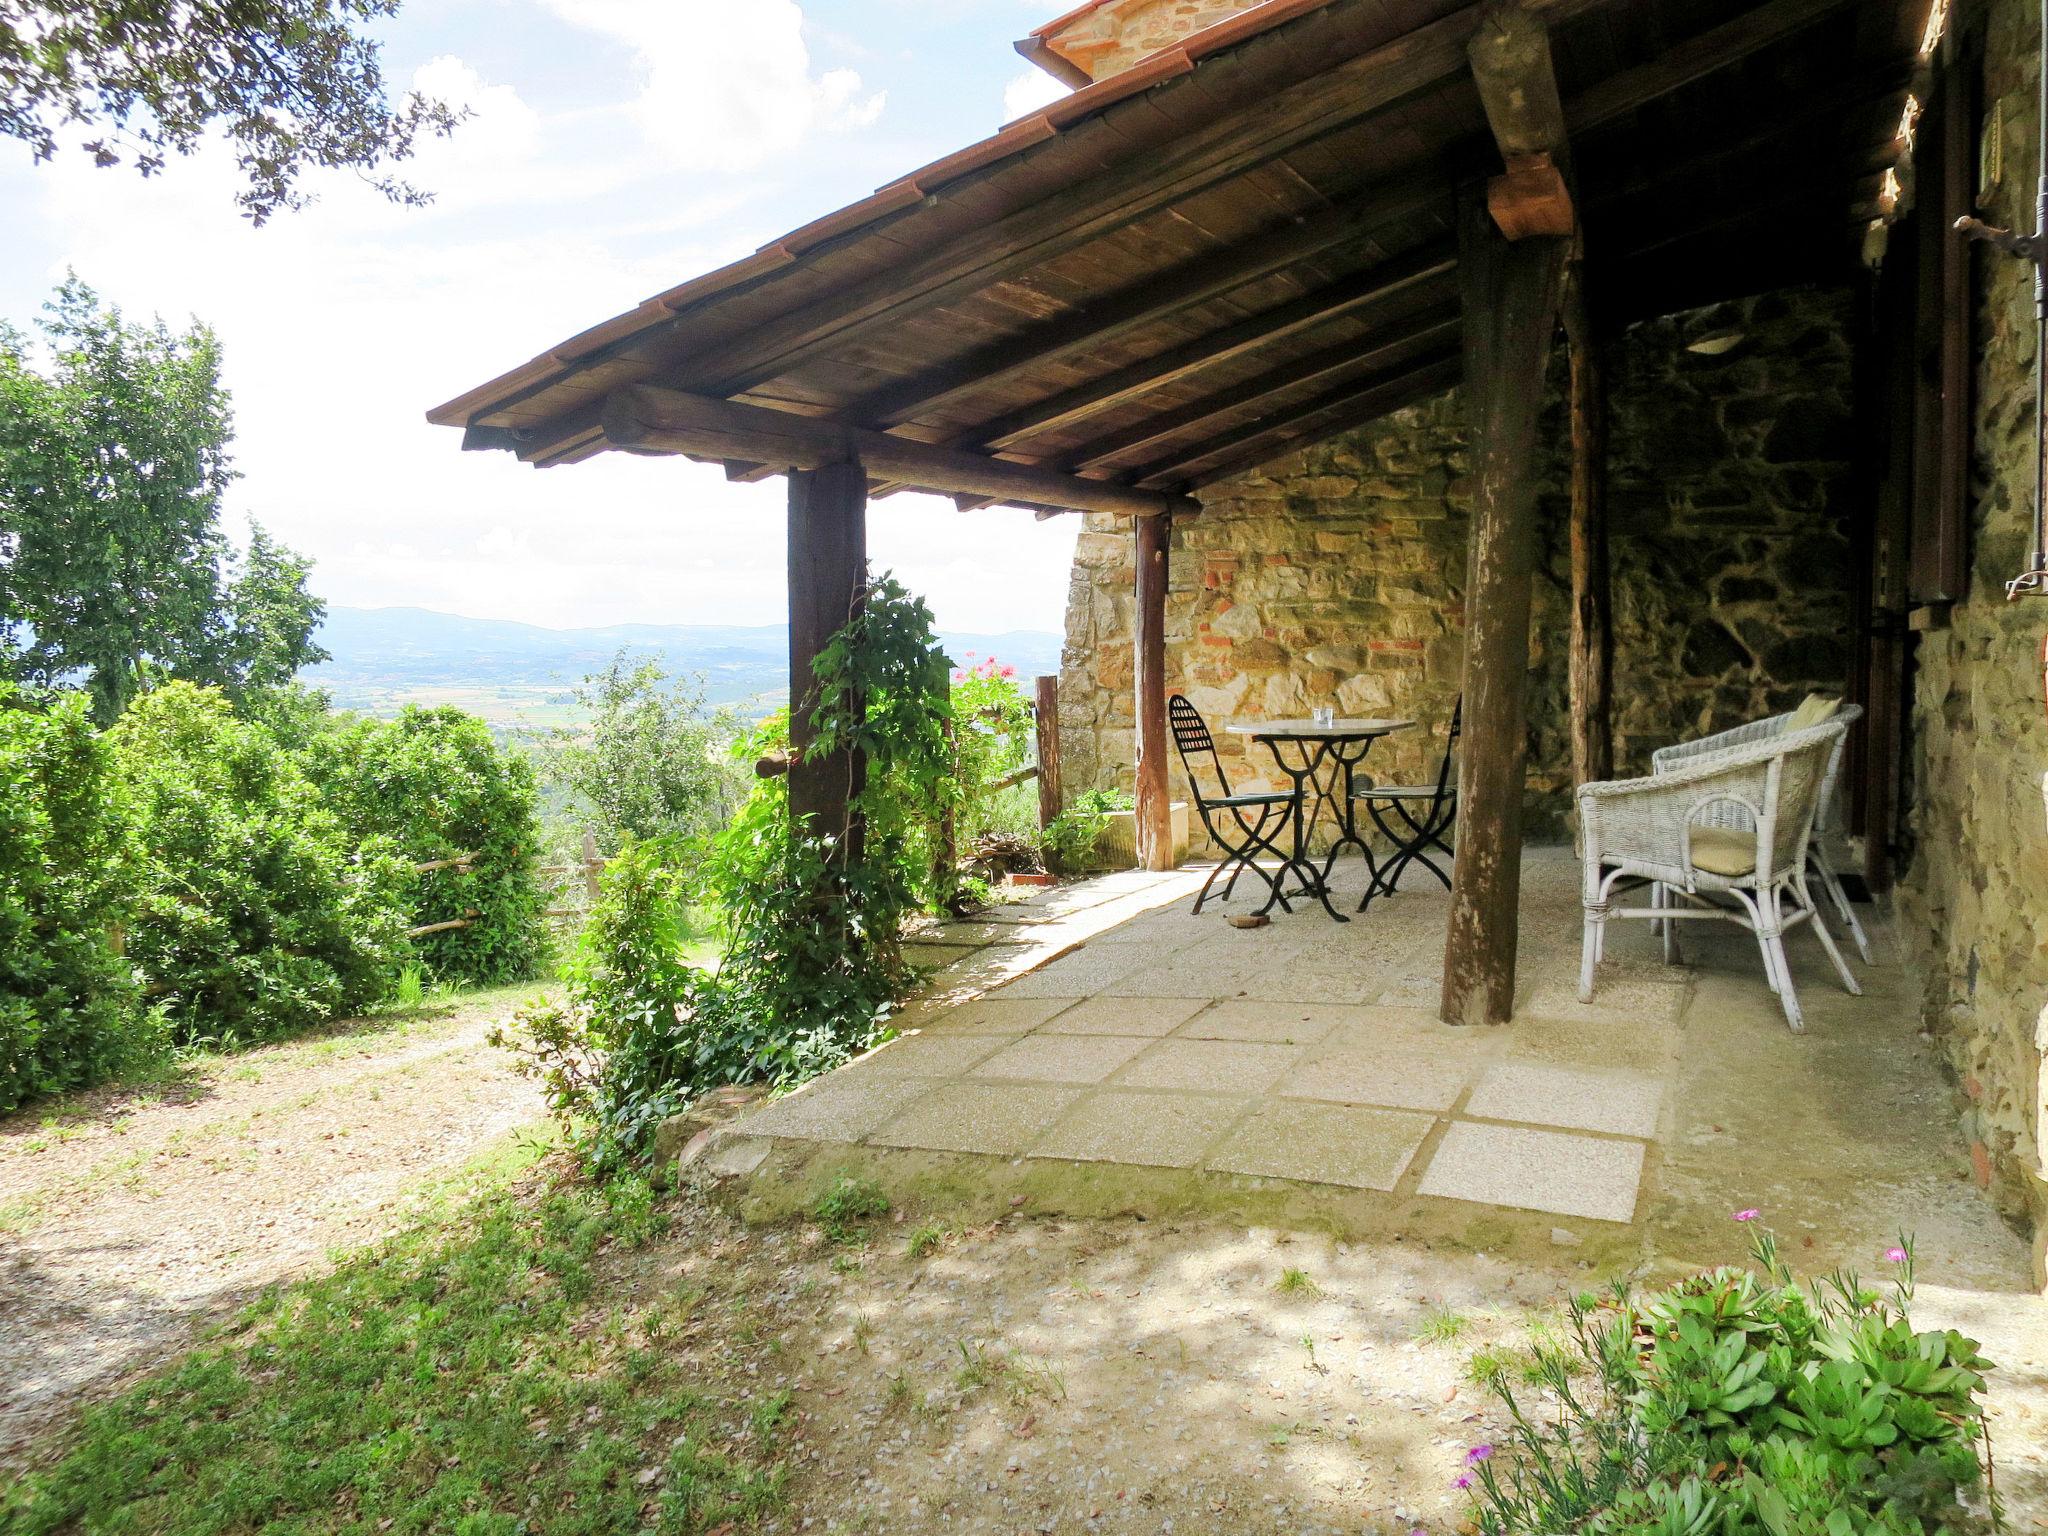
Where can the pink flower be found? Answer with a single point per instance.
(1009, 672)
(1749, 1215)
(960, 675)
(1462, 1480)
(1477, 1454)
(1896, 1255)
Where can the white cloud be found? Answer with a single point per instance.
(1028, 92)
(726, 86)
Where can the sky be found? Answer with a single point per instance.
(616, 148)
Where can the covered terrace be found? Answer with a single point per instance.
(1306, 217)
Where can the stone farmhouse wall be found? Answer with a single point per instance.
(1111, 38)
(1338, 576)
(1971, 902)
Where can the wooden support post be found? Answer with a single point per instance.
(1511, 295)
(828, 514)
(1047, 695)
(1592, 641)
(1155, 810)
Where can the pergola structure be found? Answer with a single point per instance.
(1305, 217)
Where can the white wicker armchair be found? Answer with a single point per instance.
(1827, 814)
(1733, 825)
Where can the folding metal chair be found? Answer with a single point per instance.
(1255, 833)
(1426, 813)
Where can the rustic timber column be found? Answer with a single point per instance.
(1510, 295)
(1155, 809)
(1592, 641)
(828, 520)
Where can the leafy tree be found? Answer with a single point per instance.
(70, 1014)
(113, 568)
(653, 761)
(260, 911)
(293, 84)
(435, 784)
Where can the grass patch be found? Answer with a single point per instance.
(843, 1209)
(925, 1241)
(1296, 1282)
(1441, 1326)
(466, 1377)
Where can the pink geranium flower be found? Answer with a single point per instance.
(1748, 1215)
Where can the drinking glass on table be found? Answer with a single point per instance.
(1325, 715)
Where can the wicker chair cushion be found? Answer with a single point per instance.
(1724, 851)
(1814, 709)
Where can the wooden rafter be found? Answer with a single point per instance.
(650, 420)
(1155, 298)
(1417, 278)
(1373, 354)
(1518, 87)
(1325, 417)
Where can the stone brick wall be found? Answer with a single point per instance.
(1110, 39)
(1338, 576)
(1971, 902)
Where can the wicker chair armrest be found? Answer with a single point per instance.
(1720, 741)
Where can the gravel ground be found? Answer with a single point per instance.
(129, 1219)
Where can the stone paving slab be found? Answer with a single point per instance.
(844, 1106)
(998, 1118)
(1151, 1016)
(930, 1055)
(986, 1015)
(1060, 1058)
(1352, 1068)
(1156, 1130)
(1285, 1023)
(1619, 1102)
(1537, 1171)
(1617, 999)
(1323, 1144)
(1210, 1066)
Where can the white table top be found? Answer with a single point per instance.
(1343, 726)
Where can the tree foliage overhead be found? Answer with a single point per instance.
(294, 85)
(113, 465)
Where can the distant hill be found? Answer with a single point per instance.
(514, 674)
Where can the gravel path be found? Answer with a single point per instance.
(129, 1219)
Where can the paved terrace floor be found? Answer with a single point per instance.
(1097, 1048)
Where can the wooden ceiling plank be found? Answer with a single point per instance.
(1373, 353)
(1694, 59)
(1148, 300)
(646, 419)
(1431, 266)
(1126, 192)
(1182, 468)
(1308, 430)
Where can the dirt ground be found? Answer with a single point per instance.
(128, 1219)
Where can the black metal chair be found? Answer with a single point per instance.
(1255, 833)
(1425, 813)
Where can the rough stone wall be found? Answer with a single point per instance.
(1109, 40)
(1338, 576)
(1971, 901)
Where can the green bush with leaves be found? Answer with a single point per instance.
(70, 1012)
(434, 784)
(258, 911)
(1069, 843)
(992, 740)
(1741, 1402)
(617, 1054)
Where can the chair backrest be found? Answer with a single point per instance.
(1443, 771)
(1191, 739)
(1798, 784)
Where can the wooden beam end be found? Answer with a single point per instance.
(1531, 199)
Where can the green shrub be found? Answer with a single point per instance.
(258, 911)
(1735, 1403)
(616, 1056)
(70, 1012)
(1069, 843)
(435, 784)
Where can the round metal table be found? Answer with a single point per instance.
(1325, 760)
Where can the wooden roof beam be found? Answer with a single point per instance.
(1152, 299)
(1373, 354)
(1411, 280)
(1260, 441)
(1694, 59)
(1511, 65)
(651, 420)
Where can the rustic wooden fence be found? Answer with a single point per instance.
(559, 880)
